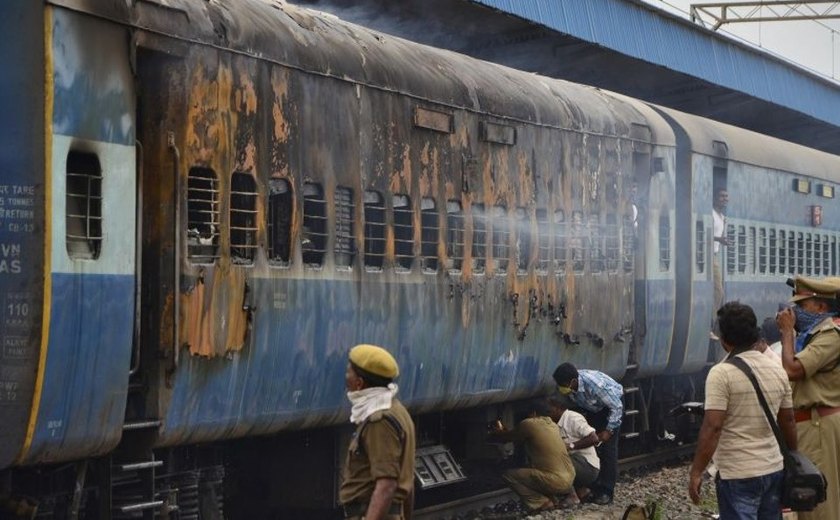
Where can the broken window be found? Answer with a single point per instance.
(203, 214)
(501, 239)
(628, 245)
(577, 241)
(612, 243)
(83, 211)
(559, 241)
(313, 236)
(345, 242)
(374, 229)
(403, 232)
(429, 234)
(454, 235)
(544, 241)
(596, 244)
(279, 221)
(479, 245)
(523, 240)
(243, 218)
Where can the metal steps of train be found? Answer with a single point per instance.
(133, 489)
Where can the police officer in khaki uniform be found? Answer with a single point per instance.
(378, 477)
(811, 361)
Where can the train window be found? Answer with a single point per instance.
(732, 250)
(83, 210)
(374, 229)
(628, 242)
(403, 232)
(742, 249)
(834, 255)
(751, 250)
(243, 218)
(202, 215)
(454, 235)
(700, 246)
(543, 241)
(783, 252)
(826, 260)
(612, 244)
(314, 232)
(501, 239)
(578, 235)
(596, 243)
(801, 259)
(664, 242)
(762, 251)
(791, 251)
(345, 241)
(479, 245)
(523, 240)
(559, 241)
(772, 249)
(813, 245)
(429, 234)
(279, 221)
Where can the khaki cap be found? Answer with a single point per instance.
(804, 288)
(375, 360)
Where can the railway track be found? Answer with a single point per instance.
(487, 500)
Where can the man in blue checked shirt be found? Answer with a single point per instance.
(599, 397)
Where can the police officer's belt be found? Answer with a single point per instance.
(354, 509)
(804, 414)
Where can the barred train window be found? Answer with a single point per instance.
(559, 242)
(731, 251)
(801, 259)
(429, 234)
(772, 250)
(374, 229)
(742, 249)
(523, 240)
(243, 218)
(664, 242)
(628, 242)
(700, 246)
(345, 241)
(543, 241)
(203, 215)
(479, 245)
(783, 252)
(501, 239)
(403, 232)
(596, 248)
(834, 255)
(751, 247)
(611, 242)
(83, 211)
(313, 239)
(454, 235)
(826, 260)
(762, 251)
(576, 244)
(279, 221)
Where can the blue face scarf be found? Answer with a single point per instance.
(805, 321)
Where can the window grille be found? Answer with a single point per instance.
(783, 252)
(523, 240)
(772, 250)
(345, 241)
(279, 221)
(314, 231)
(628, 243)
(83, 206)
(374, 229)
(543, 241)
(576, 243)
(203, 222)
(612, 242)
(501, 239)
(751, 250)
(815, 253)
(454, 235)
(801, 259)
(243, 218)
(700, 246)
(762, 251)
(664, 242)
(403, 232)
(742, 249)
(596, 243)
(479, 245)
(732, 249)
(826, 256)
(834, 256)
(429, 234)
(559, 241)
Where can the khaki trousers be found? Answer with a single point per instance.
(536, 487)
(819, 439)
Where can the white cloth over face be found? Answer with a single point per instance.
(370, 400)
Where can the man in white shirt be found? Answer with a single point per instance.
(719, 234)
(580, 439)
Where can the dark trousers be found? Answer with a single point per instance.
(607, 452)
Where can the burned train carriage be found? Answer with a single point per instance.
(224, 196)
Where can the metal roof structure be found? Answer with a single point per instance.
(626, 46)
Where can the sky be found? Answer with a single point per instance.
(807, 43)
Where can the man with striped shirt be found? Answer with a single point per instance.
(735, 433)
(599, 397)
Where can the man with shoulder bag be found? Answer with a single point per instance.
(811, 361)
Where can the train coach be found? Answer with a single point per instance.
(204, 204)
